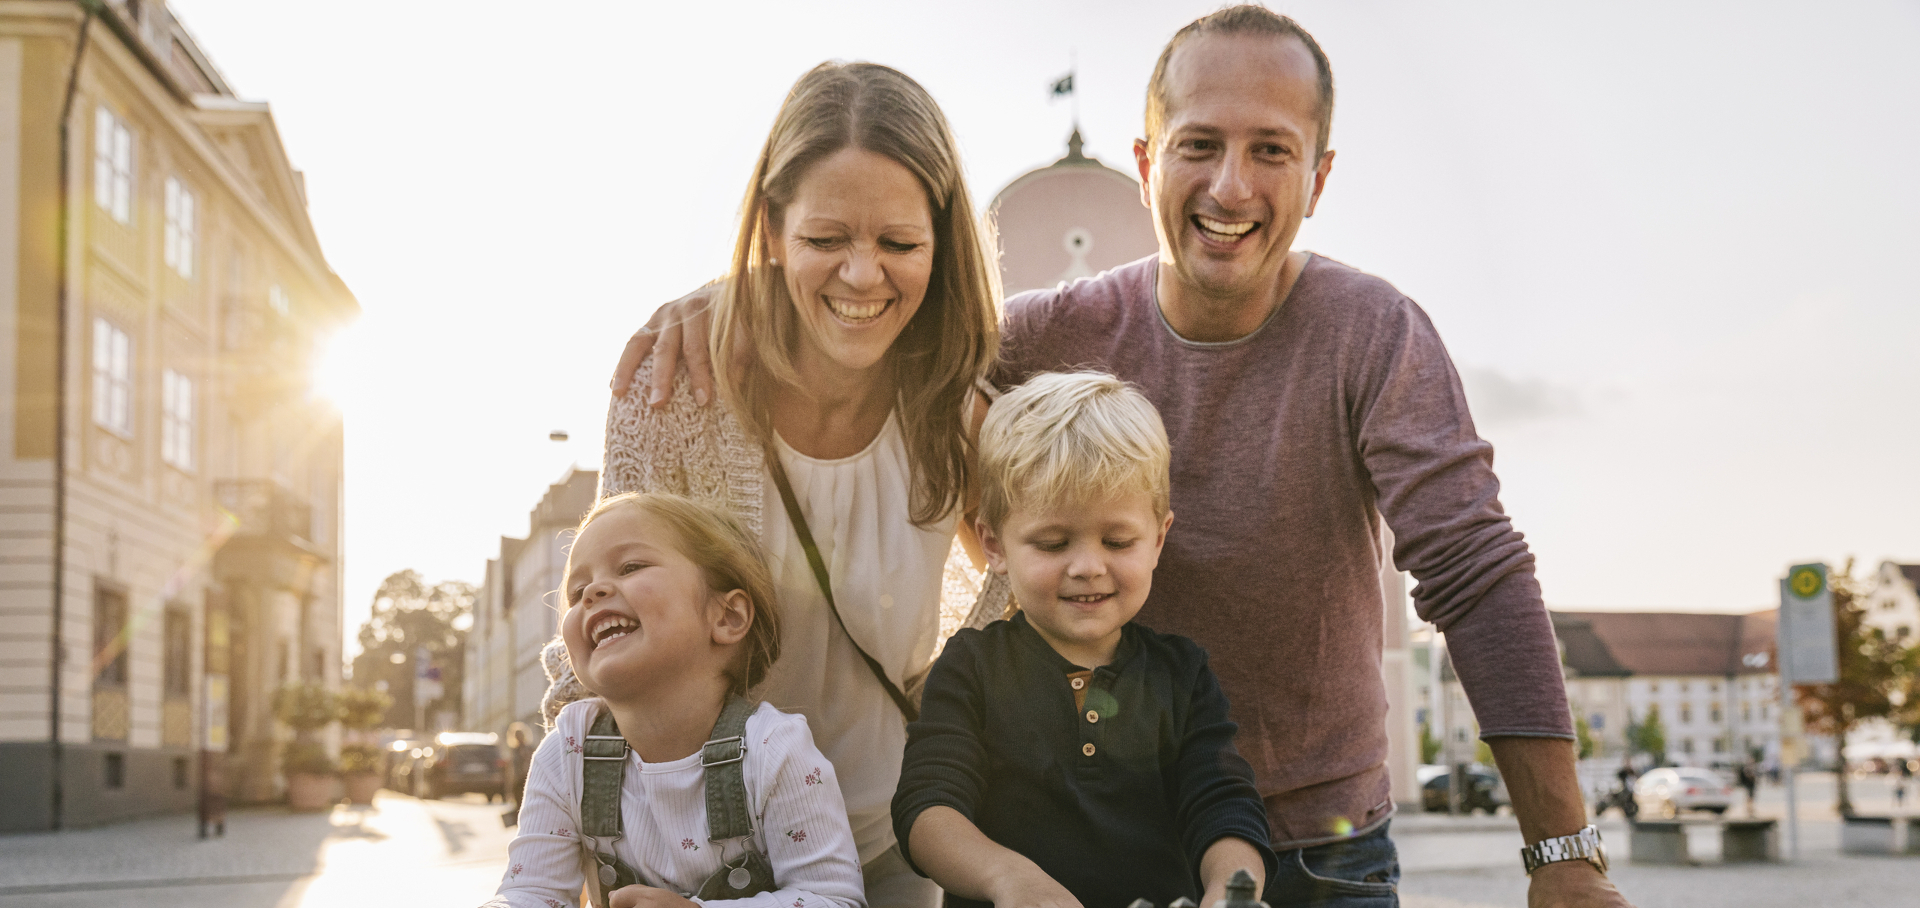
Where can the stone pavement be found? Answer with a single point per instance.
(399, 851)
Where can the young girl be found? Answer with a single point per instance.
(669, 619)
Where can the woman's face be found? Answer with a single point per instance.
(857, 246)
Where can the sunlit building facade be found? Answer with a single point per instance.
(169, 487)
(517, 610)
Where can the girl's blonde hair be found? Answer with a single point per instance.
(1063, 436)
(951, 340)
(728, 557)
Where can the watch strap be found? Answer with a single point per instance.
(1584, 845)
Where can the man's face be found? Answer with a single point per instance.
(1233, 170)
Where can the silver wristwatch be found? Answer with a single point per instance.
(1584, 845)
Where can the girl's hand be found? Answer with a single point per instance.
(640, 895)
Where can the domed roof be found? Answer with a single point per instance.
(1074, 218)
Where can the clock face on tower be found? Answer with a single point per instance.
(1073, 219)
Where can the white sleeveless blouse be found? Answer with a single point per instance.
(886, 575)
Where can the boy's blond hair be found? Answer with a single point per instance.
(729, 558)
(1066, 436)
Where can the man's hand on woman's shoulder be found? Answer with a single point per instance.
(677, 332)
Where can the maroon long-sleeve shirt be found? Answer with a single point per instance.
(1289, 445)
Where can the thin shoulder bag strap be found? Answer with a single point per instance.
(799, 522)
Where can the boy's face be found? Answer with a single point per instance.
(1081, 570)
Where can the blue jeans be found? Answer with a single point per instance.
(1361, 872)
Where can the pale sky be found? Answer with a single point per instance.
(1671, 249)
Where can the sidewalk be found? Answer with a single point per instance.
(399, 851)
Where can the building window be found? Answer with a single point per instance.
(112, 378)
(110, 633)
(178, 248)
(1686, 714)
(176, 420)
(178, 668)
(1764, 713)
(180, 773)
(1653, 687)
(1746, 712)
(116, 770)
(1686, 746)
(1719, 745)
(277, 298)
(1714, 715)
(113, 166)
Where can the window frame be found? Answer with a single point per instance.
(114, 672)
(113, 171)
(178, 246)
(176, 419)
(112, 377)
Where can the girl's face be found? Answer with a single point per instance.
(639, 614)
(856, 244)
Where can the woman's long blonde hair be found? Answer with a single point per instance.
(952, 339)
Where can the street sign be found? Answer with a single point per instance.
(1808, 652)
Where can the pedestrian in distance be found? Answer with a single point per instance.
(1068, 756)
(1307, 403)
(668, 784)
(1748, 775)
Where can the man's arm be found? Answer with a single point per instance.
(677, 330)
(1540, 777)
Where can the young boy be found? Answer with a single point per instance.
(1066, 756)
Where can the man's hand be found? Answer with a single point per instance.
(1573, 884)
(1541, 777)
(640, 895)
(677, 330)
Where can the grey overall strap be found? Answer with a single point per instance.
(605, 756)
(728, 814)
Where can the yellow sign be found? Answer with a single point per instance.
(1805, 582)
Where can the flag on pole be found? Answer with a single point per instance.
(1063, 86)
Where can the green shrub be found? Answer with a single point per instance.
(362, 708)
(305, 707)
(359, 758)
(306, 757)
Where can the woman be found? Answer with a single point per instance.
(859, 314)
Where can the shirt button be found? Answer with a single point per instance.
(1092, 717)
(1087, 749)
(1079, 683)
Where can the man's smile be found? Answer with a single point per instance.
(1227, 232)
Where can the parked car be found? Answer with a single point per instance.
(1671, 790)
(1485, 790)
(460, 762)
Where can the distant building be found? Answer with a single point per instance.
(1072, 219)
(518, 610)
(169, 490)
(1894, 605)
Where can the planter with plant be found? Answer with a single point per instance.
(307, 708)
(362, 762)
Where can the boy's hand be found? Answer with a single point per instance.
(640, 895)
(1030, 888)
(1225, 856)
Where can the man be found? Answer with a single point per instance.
(1305, 400)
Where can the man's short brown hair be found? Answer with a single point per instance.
(1246, 19)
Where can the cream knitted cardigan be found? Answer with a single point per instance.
(709, 455)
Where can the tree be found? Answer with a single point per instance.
(1429, 745)
(1870, 669)
(410, 615)
(1649, 736)
(1583, 734)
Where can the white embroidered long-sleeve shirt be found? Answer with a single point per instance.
(800, 821)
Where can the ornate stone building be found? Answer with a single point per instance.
(169, 486)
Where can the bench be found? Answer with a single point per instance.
(1879, 834)
(1741, 841)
